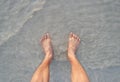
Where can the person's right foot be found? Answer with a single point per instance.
(73, 43)
(47, 46)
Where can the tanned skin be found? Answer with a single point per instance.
(42, 73)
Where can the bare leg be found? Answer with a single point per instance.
(78, 73)
(42, 72)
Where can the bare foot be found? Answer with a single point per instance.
(47, 46)
(73, 43)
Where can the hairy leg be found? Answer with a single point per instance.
(42, 72)
(78, 73)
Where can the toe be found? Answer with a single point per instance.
(70, 35)
(78, 39)
(45, 36)
(48, 36)
(74, 36)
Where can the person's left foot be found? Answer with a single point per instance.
(47, 46)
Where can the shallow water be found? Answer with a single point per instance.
(23, 22)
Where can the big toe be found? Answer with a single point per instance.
(71, 36)
(48, 36)
(43, 37)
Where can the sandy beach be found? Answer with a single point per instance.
(23, 22)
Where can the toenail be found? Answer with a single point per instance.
(45, 36)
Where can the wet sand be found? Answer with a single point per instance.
(97, 22)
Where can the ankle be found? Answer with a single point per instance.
(48, 56)
(71, 51)
(71, 57)
(73, 61)
(47, 59)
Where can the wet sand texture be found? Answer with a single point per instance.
(23, 22)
